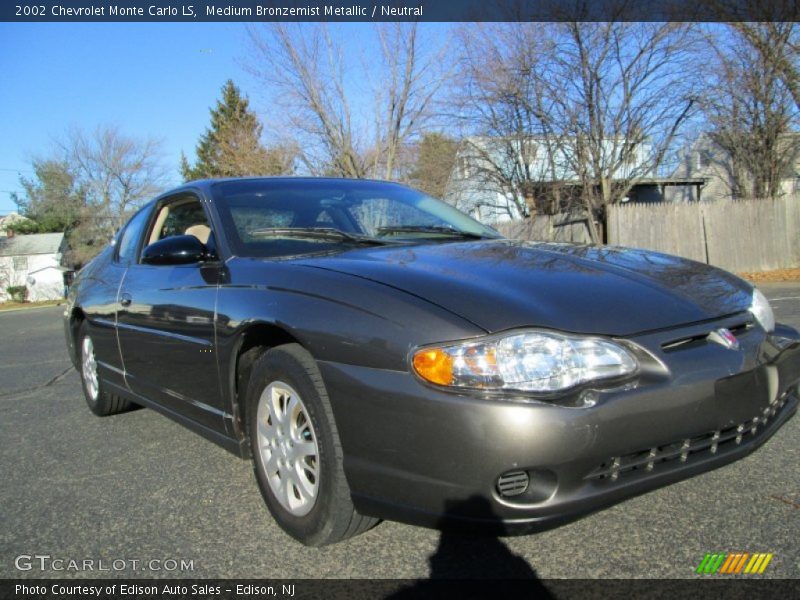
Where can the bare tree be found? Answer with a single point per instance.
(588, 108)
(116, 173)
(119, 171)
(769, 28)
(752, 105)
(414, 79)
(315, 87)
(501, 101)
(778, 44)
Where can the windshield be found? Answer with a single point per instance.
(287, 217)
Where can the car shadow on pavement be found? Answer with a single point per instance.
(469, 563)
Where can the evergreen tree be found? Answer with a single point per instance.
(186, 169)
(436, 156)
(231, 146)
(53, 200)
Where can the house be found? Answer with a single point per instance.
(707, 161)
(489, 173)
(33, 261)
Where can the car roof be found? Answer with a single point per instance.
(205, 183)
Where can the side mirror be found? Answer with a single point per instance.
(175, 250)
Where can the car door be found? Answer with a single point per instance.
(166, 321)
(99, 295)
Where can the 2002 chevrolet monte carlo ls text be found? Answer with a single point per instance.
(379, 354)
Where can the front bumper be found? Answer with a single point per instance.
(427, 456)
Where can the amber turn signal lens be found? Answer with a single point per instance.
(434, 365)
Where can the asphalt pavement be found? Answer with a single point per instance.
(139, 488)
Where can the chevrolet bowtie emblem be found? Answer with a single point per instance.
(725, 338)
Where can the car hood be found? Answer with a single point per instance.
(504, 284)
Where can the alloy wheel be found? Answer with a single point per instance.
(89, 368)
(288, 448)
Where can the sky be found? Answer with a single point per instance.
(150, 79)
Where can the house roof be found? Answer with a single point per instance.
(670, 181)
(36, 243)
(635, 181)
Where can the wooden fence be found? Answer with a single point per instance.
(737, 235)
(555, 228)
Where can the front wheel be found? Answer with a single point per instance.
(296, 450)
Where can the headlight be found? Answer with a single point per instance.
(762, 311)
(529, 361)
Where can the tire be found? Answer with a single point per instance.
(297, 455)
(100, 401)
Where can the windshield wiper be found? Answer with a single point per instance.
(316, 233)
(436, 229)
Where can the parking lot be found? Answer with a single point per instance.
(138, 487)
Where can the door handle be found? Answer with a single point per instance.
(125, 299)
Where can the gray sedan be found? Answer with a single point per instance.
(378, 354)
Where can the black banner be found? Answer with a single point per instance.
(398, 10)
(730, 588)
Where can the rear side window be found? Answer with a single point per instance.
(129, 240)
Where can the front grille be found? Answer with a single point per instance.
(687, 449)
(700, 339)
(512, 483)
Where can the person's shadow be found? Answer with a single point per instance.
(472, 562)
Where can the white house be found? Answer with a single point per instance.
(33, 261)
(487, 170)
(484, 167)
(708, 161)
